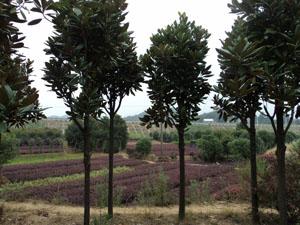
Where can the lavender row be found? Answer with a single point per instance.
(32, 172)
(130, 182)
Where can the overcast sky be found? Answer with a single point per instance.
(145, 17)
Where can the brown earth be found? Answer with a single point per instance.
(219, 213)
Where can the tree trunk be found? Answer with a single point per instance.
(111, 166)
(87, 169)
(1, 166)
(182, 174)
(280, 153)
(254, 194)
(161, 139)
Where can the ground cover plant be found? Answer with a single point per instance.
(169, 150)
(130, 179)
(59, 168)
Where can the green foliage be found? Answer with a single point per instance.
(38, 136)
(102, 192)
(268, 138)
(177, 71)
(241, 133)
(267, 183)
(120, 133)
(295, 149)
(8, 148)
(155, 191)
(103, 220)
(290, 137)
(143, 147)
(274, 25)
(99, 134)
(199, 192)
(76, 59)
(225, 140)
(240, 148)
(45, 157)
(19, 101)
(211, 149)
(239, 86)
(197, 133)
(167, 136)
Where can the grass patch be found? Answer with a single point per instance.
(48, 157)
(55, 180)
(45, 157)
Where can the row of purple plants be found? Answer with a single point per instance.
(132, 181)
(17, 173)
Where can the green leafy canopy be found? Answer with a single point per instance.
(177, 73)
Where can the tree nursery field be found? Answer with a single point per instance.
(90, 166)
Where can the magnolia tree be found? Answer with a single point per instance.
(177, 81)
(239, 90)
(78, 63)
(274, 24)
(122, 78)
(18, 100)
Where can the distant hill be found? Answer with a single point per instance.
(134, 118)
(211, 115)
(64, 117)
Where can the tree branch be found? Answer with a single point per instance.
(244, 122)
(106, 110)
(271, 119)
(290, 122)
(81, 128)
(119, 104)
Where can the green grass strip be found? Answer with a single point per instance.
(19, 186)
(44, 157)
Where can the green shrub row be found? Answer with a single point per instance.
(38, 136)
(100, 135)
(217, 145)
(8, 148)
(168, 137)
(267, 181)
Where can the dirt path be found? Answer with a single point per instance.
(208, 214)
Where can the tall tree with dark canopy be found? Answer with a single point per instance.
(18, 100)
(239, 90)
(124, 75)
(76, 67)
(177, 71)
(275, 25)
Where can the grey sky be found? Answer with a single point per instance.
(145, 17)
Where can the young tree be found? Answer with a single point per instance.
(120, 73)
(76, 67)
(177, 71)
(240, 88)
(18, 100)
(274, 24)
(123, 78)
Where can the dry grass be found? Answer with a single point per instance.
(35, 213)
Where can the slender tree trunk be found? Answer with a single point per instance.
(182, 174)
(254, 194)
(111, 166)
(1, 166)
(87, 169)
(280, 153)
(161, 139)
